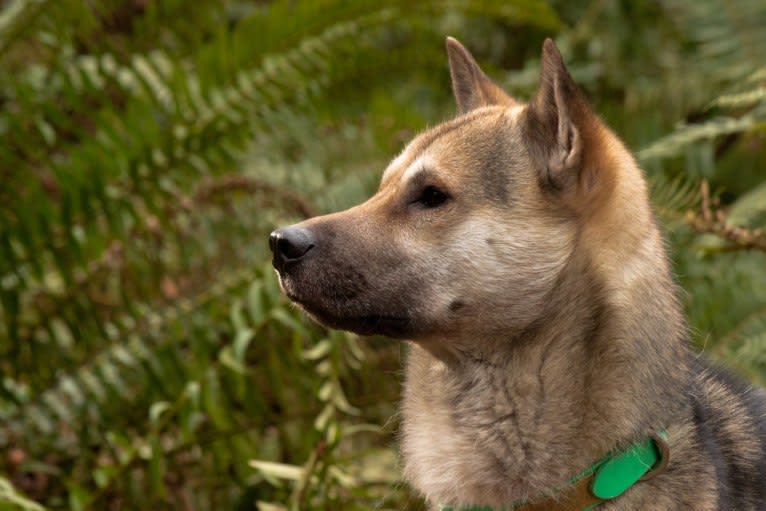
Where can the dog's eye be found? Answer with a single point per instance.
(432, 197)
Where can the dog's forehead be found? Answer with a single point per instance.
(454, 139)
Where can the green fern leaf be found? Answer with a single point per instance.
(683, 136)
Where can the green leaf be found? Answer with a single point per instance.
(323, 419)
(280, 315)
(750, 209)
(672, 145)
(79, 497)
(326, 390)
(318, 351)
(269, 506)
(237, 317)
(157, 410)
(278, 470)
(241, 341)
(157, 467)
(255, 303)
(17, 502)
(214, 404)
(228, 359)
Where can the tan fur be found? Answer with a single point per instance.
(538, 298)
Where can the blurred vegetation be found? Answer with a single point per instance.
(149, 147)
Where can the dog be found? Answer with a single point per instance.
(514, 247)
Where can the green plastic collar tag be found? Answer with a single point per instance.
(611, 476)
(623, 470)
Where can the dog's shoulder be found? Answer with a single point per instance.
(721, 387)
(730, 422)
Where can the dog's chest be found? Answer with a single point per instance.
(444, 459)
(473, 439)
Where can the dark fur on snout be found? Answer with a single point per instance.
(346, 283)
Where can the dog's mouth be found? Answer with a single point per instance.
(391, 326)
(363, 324)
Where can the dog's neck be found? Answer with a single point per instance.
(517, 422)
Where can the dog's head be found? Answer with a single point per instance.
(473, 222)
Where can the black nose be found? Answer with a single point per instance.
(289, 245)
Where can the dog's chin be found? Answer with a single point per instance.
(346, 316)
(373, 324)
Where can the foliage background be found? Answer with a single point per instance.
(147, 148)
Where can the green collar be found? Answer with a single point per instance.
(605, 480)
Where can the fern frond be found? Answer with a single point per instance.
(741, 99)
(192, 144)
(750, 209)
(672, 144)
(102, 382)
(672, 199)
(728, 34)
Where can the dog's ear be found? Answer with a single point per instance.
(471, 86)
(557, 121)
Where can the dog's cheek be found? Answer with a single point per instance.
(504, 268)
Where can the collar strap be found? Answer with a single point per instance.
(605, 480)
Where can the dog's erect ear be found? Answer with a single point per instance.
(471, 86)
(556, 120)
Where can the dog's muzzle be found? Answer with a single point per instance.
(289, 245)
